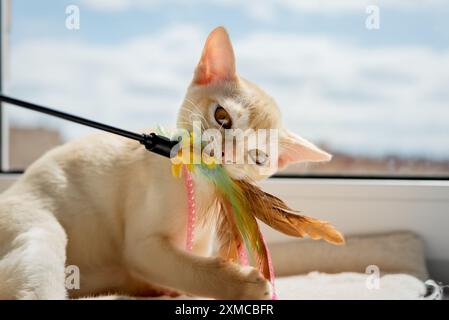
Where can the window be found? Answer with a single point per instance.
(367, 83)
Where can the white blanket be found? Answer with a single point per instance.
(340, 286)
(348, 285)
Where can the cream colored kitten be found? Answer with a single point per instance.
(113, 209)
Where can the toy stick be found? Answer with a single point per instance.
(152, 142)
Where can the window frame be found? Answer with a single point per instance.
(4, 148)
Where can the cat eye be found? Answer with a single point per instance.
(259, 157)
(222, 117)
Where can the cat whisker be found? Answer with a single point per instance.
(189, 122)
(193, 104)
(197, 111)
(188, 119)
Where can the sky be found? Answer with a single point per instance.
(372, 92)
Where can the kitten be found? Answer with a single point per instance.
(106, 205)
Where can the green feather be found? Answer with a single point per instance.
(246, 223)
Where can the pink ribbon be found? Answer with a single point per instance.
(191, 212)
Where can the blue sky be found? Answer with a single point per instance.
(365, 92)
(422, 25)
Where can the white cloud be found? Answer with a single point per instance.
(105, 80)
(373, 100)
(356, 98)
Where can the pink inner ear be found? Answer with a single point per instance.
(294, 149)
(284, 160)
(217, 61)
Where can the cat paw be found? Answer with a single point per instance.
(254, 286)
(241, 282)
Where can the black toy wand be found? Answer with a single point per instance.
(152, 142)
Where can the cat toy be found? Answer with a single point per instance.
(241, 201)
(251, 246)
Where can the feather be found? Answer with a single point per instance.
(238, 211)
(227, 235)
(275, 213)
(242, 202)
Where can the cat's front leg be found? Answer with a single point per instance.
(158, 261)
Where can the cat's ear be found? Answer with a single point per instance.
(294, 149)
(217, 60)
